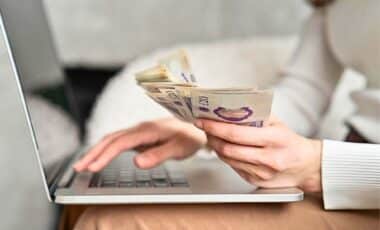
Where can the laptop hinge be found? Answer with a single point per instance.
(65, 175)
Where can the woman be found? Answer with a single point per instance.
(343, 34)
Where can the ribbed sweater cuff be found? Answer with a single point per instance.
(350, 175)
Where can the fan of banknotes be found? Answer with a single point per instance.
(172, 84)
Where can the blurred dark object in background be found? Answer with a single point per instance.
(82, 86)
(79, 91)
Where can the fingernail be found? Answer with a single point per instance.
(199, 124)
(76, 166)
(93, 168)
(140, 160)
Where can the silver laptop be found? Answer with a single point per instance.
(32, 54)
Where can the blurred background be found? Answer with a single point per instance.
(110, 33)
(95, 40)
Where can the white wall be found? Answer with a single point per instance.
(112, 32)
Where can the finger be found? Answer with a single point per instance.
(260, 171)
(273, 120)
(252, 179)
(143, 148)
(245, 135)
(127, 141)
(238, 152)
(255, 180)
(96, 150)
(156, 155)
(241, 173)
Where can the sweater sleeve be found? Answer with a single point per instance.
(308, 82)
(350, 175)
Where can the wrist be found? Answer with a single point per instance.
(313, 183)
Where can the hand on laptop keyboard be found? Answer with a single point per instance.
(157, 141)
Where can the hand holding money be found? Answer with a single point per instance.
(172, 85)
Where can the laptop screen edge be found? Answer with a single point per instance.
(25, 107)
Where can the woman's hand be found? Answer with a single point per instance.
(269, 157)
(157, 141)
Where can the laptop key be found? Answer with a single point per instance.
(160, 175)
(143, 184)
(126, 179)
(161, 183)
(142, 177)
(109, 184)
(108, 176)
(126, 173)
(94, 180)
(129, 184)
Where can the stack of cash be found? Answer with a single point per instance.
(172, 85)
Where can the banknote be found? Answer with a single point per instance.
(172, 85)
(233, 90)
(154, 87)
(247, 107)
(167, 104)
(178, 64)
(185, 93)
(174, 68)
(156, 74)
(251, 108)
(173, 95)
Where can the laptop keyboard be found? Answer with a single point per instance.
(123, 173)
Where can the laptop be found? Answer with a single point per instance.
(31, 53)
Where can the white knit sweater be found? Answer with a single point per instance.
(346, 34)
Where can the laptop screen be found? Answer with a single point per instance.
(39, 73)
